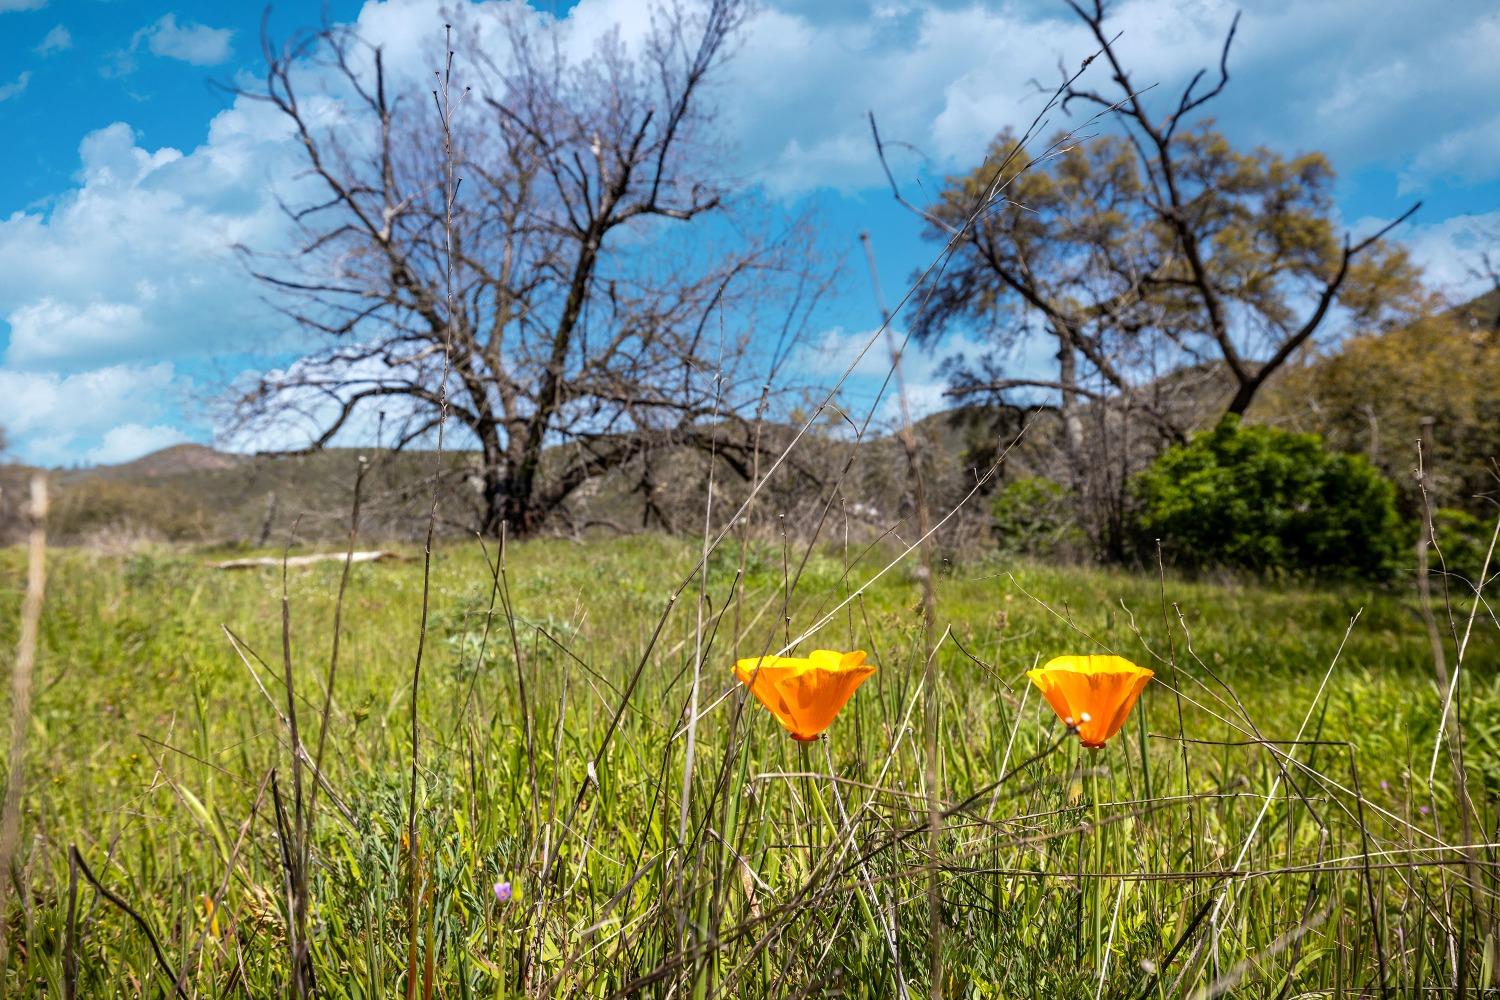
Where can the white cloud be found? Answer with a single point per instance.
(134, 266)
(192, 43)
(1469, 153)
(59, 39)
(944, 80)
(1397, 89)
(1449, 249)
(10, 5)
(16, 87)
(135, 263)
(110, 286)
(1305, 74)
(48, 331)
(130, 441)
(53, 419)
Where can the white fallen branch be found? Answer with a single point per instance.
(319, 557)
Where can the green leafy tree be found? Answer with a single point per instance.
(1062, 263)
(1174, 271)
(1240, 248)
(1432, 381)
(1264, 499)
(1238, 270)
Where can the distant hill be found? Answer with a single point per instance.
(177, 459)
(1482, 313)
(194, 494)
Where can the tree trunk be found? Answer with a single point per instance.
(495, 485)
(1067, 377)
(1242, 397)
(494, 506)
(519, 508)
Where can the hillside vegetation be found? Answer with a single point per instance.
(194, 494)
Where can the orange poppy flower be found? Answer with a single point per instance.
(805, 693)
(1093, 694)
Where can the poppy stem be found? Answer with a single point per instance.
(1096, 886)
(1101, 865)
(1075, 772)
(817, 795)
(809, 790)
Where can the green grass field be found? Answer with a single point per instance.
(1194, 855)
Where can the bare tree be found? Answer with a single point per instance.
(598, 316)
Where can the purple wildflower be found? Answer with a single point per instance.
(503, 891)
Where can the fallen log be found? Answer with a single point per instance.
(296, 561)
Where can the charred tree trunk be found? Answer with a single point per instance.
(493, 486)
(522, 515)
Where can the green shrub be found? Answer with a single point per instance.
(1034, 516)
(1464, 541)
(1268, 500)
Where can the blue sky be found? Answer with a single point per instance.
(128, 168)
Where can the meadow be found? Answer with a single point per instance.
(1264, 825)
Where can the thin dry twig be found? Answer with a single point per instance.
(130, 911)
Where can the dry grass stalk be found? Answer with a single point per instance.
(20, 697)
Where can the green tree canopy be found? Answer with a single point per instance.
(1238, 273)
(1264, 499)
(1436, 380)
